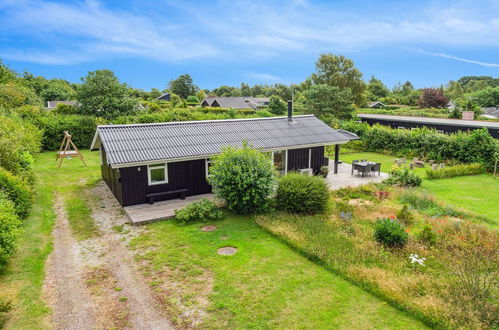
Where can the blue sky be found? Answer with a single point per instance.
(147, 43)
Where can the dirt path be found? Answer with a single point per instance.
(64, 284)
(110, 290)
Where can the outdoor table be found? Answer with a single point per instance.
(361, 166)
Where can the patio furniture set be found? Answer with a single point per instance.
(364, 167)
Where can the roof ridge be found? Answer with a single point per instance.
(201, 121)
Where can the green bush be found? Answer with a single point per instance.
(19, 140)
(202, 210)
(390, 233)
(404, 178)
(452, 171)
(427, 235)
(9, 229)
(299, 193)
(82, 129)
(243, 178)
(17, 191)
(405, 216)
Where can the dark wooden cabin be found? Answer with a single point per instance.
(442, 125)
(169, 160)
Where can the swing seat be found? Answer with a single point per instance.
(62, 154)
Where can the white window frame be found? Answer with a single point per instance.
(400, 127)
(164, 166)
(207, 162)
(440, 131)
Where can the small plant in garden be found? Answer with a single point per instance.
(324, 171)
(382, 194)
(405, 216)
(404, 177)
(203, 210)
(417, 260)
(427, 235)
(298, 193)
(5, 307)
(243, 178)
(390, 233)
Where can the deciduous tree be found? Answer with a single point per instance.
(101, 94)
(329, 102)
(339, 71)
(183, 86)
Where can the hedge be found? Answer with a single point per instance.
(82, 129)
(16, 191)
(452, 171)
(477, 146)
(9, 229)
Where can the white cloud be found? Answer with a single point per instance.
(485, 64)
(87, 31)
(264, 76)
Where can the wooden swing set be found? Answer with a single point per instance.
(66, 144)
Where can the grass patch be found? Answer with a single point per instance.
(22, 281)
(435, 292)
(264, 285)
(80, 215)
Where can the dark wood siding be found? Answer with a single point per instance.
(299, 158)
(318, 159)
(445, 128)
(189, 175)
(111, 177)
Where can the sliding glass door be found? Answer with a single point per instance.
(279, 158)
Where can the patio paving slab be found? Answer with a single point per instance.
(145, 213)
(344, 178)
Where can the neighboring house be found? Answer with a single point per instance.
(376, 105)
(491, 112)
(442, 125)
(168, 160)
(236, 102)
(53, 104)
(164, 97)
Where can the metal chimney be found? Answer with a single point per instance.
(290, 110)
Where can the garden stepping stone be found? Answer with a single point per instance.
(208, 228)
(227, 251)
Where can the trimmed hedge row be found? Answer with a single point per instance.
(458, 170)
(477, 146)
(82, 128)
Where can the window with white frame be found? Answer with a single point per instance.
(401, 127)
(440, 131)
(208, 162)
(157, 173)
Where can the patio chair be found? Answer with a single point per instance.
(377, 168)
(367, 170)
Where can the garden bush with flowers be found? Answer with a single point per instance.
(446, 273)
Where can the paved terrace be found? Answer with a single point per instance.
(145, 213)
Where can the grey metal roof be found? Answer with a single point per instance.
(143, 143)
(238, 102)
(53, 104)
(491, 111)
(431, 120)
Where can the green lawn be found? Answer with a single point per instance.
(22, 282)
(478, 194)
(265, 285)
